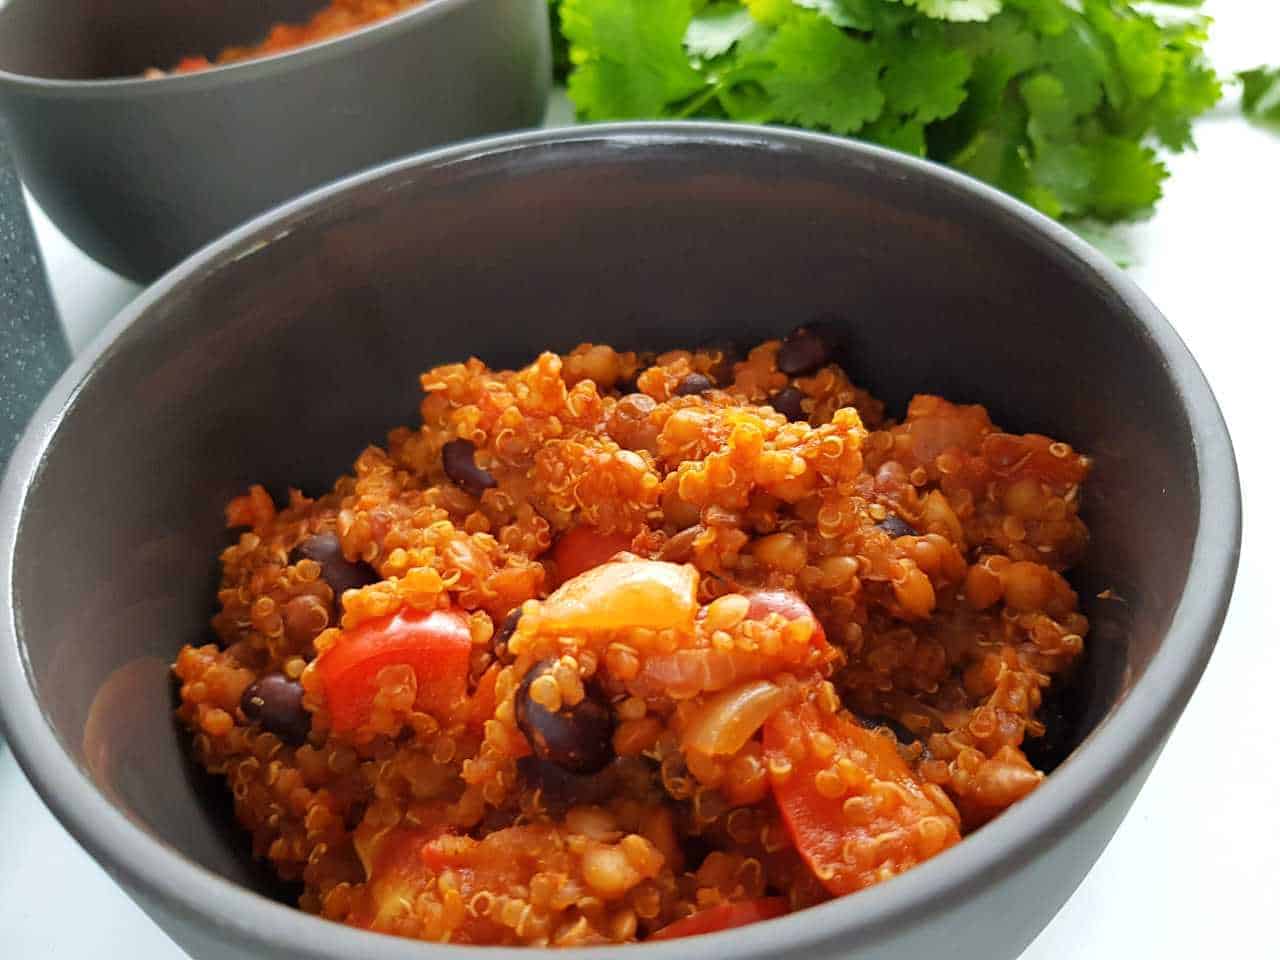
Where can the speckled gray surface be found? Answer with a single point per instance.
(33, 350)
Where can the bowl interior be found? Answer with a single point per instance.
(279, 359)
(96, 39)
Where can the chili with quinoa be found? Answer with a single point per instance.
(339, 17)
(619, 647)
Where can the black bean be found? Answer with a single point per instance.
(787, 402)
(275, 704)
(635, 778)
(807, 349)
(693, 384)
(578, 738)
(336, 570)
(459, 457)
(722, 370)
(504, 632)
(897, 527)
(562, 789)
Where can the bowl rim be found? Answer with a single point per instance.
(1124, 742)
(294, 58)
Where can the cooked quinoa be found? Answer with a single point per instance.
(617, 647)
(332, 20)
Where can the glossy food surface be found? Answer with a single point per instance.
(788, 658)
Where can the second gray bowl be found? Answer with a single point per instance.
(140, 172)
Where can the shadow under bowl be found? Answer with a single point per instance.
(278, 353)
(140, 172)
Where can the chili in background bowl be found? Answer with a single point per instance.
(277, 353)
(139, 171)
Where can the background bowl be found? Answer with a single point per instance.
(139, 172)
(278, 353)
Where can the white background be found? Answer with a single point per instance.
(1194, 871)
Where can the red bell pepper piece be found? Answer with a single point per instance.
(581, 548)
(723, 916)
(435, 644)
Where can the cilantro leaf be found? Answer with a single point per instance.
(1051, 112)
(629, 57)
(1001, 51)
(926, 76)
(1140, 55)
(1188, 91)
(906, 136)
(1079, 61)
(958, 11)
(1063, 174)
(717, 28)
(1126, 178)
(1047, 16)
(821, 76)
(852, 14)
(1261, 97)
(745, 102)
(770, 12)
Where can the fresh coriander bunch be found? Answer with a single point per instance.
(1063, 103)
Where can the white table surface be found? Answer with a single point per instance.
(1194, 870)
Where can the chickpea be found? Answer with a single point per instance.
(982, 588)
(594, 822)
(608, 871)
(726, 612)
(597, 362)
(1028, 586)
(1024, 499)
(914, 591)
(781, 551)
(837, 571)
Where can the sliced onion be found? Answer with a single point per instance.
(729, 719)
(687, 673)
(786, 603)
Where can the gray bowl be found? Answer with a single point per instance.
(276, 354)
(140, 172)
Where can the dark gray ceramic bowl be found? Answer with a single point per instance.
(139, 172)
(279, 352)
